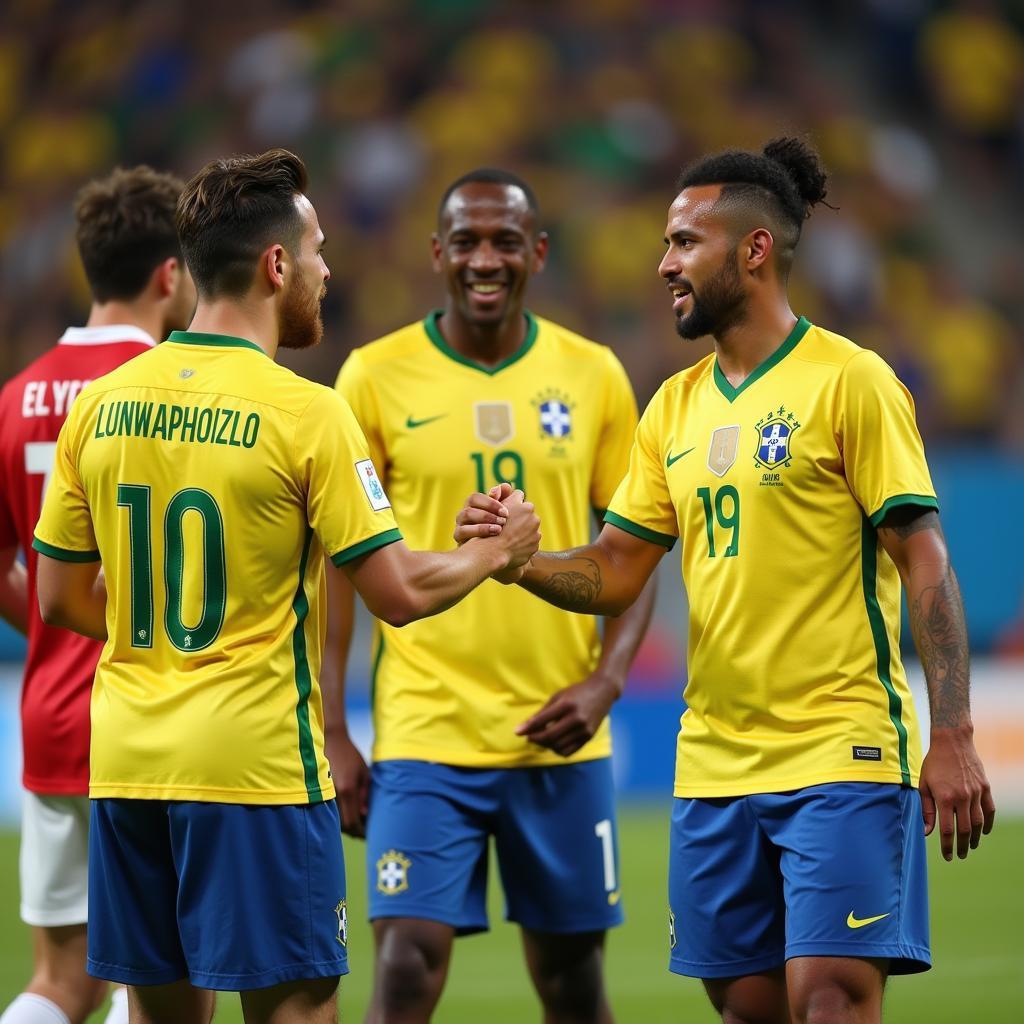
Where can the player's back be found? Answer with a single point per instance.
(194, 463)
(59, 665)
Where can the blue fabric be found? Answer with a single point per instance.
(428, 834)
(231, 897)
(756, 880)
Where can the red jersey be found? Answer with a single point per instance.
(59, 666)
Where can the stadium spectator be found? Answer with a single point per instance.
(490, 721)
(140, 291)
(215, 848)
(789, 465)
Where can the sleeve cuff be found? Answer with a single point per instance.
(665, 540)
(364, 547)
(925, 501)
(64, 554)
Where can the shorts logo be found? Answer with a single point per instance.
(493, 422)
(774, 439)
(393, 873)
(671, 929)
(342, 912)
(867, 753)
(725, 442)
(854, 922)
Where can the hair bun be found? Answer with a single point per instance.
(802, 164)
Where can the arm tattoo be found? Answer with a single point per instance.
(940, 633)
(573, 589)
(903, 527)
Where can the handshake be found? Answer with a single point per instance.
(506, 518)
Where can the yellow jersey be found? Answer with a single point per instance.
(210, 481)
(776, 488)
(556, 418)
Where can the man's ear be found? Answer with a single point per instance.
(275, 265)
(540, 252)
(165, 277)
(435, 252)
(757, 247)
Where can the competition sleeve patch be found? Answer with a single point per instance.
(371, 484)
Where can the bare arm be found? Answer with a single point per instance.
(954, 788)
(400, 586)
(348, 767)
(13, 589)
(72, 595)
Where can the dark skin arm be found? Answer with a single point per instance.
(954, 789)
(72, 595)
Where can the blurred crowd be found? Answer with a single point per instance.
(917, 107)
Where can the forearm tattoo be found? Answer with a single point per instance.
(575, 589)
(940, 633)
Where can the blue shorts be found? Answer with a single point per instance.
(832, 870)
(553, 828)
(231, 897)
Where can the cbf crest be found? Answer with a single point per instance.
(775, 439)
(393, 873)
(554, 411)
(341, 912)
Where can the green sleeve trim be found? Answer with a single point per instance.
(665, 540)
(304, 682)
(364, 547)
(64, 554)
(923, 500)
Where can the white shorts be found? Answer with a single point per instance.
(54, 860)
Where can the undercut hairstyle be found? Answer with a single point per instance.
(490, 176)
(124, 227)
(232, 210)
(778, 187)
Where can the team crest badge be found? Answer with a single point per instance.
(775, 439)
(493, 422)
(341, 910)
(671, 929)
(554, 409)
(393, 873)
(725, 443)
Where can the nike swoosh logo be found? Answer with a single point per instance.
(675, 458)
(613, 898)
(412, 424)
(853, 922)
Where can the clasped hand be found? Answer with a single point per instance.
(502, 511)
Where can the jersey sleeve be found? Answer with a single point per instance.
(65, 528)
(346, 503)
(353, 384)
(616, 436)
(8, 529)
(642, 504)
(877, 433)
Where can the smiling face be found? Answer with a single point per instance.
(487, 248)
(300, 322)
(700, 266)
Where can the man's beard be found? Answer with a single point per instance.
(301, 325)
(720, 305)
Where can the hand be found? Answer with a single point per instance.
(520, 537)
(483, 515)
(572, 716)
(351, 780)
(954, 788)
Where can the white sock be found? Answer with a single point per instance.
(28, 1008)
(118, 1006)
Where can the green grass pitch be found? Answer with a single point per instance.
(977, 931)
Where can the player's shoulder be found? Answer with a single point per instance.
(680, 384)
(569, 342)
(396, 346)
(822, 346)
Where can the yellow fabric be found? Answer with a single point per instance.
(213, 696)
(794, 620)
(453, 688)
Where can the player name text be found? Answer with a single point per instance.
(189, 423)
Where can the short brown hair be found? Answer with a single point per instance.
(125, 229)
(232, 210)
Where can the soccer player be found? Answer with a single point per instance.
(140, 291)
(789, 465)
(209, 482)
(490, 720)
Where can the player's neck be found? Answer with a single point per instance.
(237, 320)
(134, 314)
(487, 345)
(744, 346)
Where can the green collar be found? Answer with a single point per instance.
(218, 340)
(434, 334)
(801, 327)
